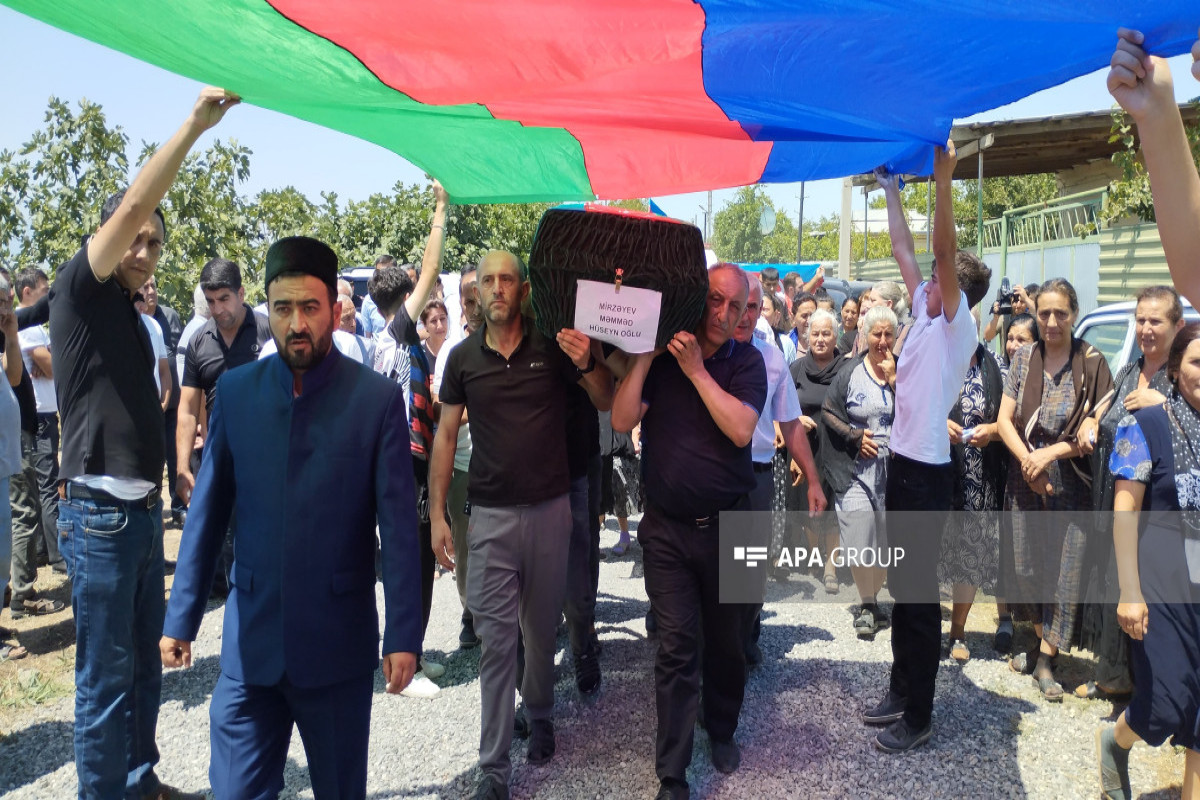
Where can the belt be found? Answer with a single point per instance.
(764, 466)
(69, 490)
(699, 523)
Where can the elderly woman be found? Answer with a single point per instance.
(887, 294)
(1158, 317)
(857, 426)
(1154, 464)
(1050, 388)
(811, 376)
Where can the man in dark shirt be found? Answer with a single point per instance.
(698, 409)
(172, 329)
(232, 337)
(29, 522)
(513, 382)
(112, 467)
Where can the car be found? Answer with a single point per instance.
(1110, 330)
(358, 277)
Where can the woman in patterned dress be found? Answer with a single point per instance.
(1156, 466)
(1158, 317)
(1051, 386)
(971, 540)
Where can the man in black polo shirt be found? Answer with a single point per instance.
(234, 335)
(513, 383)
(113, 451)
(172, 329)
(698, 408)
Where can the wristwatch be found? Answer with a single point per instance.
(591, 365)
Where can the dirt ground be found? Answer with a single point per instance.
(48, 671)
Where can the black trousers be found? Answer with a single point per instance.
(682, 567)
(917, 618)
(760, 501)
(171, 418)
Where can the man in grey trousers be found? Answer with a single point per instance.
(513, 382)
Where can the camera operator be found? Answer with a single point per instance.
(1010, 302)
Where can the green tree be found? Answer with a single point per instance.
(1130, 194)
(206, 218)
(737, 231)
(53, 189)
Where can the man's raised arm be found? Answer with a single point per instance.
(945, 236)
(432, 260)
(114, 237)
(1142, 85)
(904, 250)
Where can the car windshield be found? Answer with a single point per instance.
(1108, 337)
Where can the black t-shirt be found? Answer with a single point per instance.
(689, 466)
(583, 431)
(518, 417)
(208, 358)
(112, 423)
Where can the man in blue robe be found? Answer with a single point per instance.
(312, 450)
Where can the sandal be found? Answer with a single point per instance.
(831, 583)
(1024, 663)
(1051, 689)
(1093, 691)
(958, 651)
(36, 608)
(11, 651)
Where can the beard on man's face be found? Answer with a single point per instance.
(308, 357)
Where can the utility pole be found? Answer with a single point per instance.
(708, 217)
(800, 228)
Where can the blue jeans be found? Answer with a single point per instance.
(114, 555)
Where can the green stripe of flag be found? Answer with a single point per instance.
(248, 47)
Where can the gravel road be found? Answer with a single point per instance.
(800, 731)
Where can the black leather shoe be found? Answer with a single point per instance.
(673, 790)
(467, 637)
(541, 742)
(888, 711)
(587, 674)
(899, 738)
(490, 788)
(726, 757)
(521, 723)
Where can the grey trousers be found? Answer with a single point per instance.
(517, 582)
(456, 503)
(26, 524)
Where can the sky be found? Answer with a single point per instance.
(149, 103)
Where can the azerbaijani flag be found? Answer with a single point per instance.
(542, 100)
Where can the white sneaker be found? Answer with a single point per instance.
(432, 669)
(420, 686)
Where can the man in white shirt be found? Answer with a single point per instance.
(780, 420)
(162, 363)
(929, 376)
(31, 285)
(456, 499)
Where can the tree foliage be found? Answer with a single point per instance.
(1129, 195)
(737, 232)
(52, 188)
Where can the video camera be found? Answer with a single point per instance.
(1005, 297)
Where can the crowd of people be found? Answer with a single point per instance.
(427, 422)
